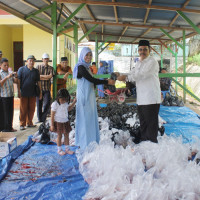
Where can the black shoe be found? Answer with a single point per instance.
(31, 126)
(38, 122)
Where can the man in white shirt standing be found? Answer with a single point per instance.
(145, 74)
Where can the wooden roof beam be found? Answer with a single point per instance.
(165, 35)
(131, 5)
(115, 11)
(126, 36)
(21, 16)
(36, 8)
(84, 30)
(90, 12)
(174, 19)
(68, 12)
(58, 11)
(123, 33)
(147, 12)
(136, 25)
(148, 30)
(123, 42)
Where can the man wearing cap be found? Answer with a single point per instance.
(63, 69)
(46, 73)
(145, 74)
(28, 78)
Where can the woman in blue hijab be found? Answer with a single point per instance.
(101, 70)
(87, 126)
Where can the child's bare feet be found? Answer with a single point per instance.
(61, 152)
(67, 151)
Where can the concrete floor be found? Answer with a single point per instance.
(23, 135)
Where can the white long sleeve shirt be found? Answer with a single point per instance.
(145, 74)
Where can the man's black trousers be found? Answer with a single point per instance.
(43, 106)
(148, 115)
(8, 111)
(1, 115)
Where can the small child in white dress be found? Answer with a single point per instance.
(59, 119)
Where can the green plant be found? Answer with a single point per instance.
(194, 59)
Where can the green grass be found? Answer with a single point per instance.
(194, 59)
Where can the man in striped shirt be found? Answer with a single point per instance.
(7, 95)
(46, 73)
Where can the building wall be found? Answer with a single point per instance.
(66, 48)
(6, 42)
(36, 42)
(11, 30)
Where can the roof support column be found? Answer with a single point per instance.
(54, 27)
(176, 66)
(174, 53)
(96, 51)
(184, 66)
(70, 17)
(76, 42)
(161, 61)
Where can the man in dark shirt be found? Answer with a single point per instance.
(28, 77)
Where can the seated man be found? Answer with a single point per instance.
(165, 82)
(63, 69)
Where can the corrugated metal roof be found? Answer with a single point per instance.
(112, 14)
(125, 20)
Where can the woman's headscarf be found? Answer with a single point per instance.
(101, 69)
(81, 61)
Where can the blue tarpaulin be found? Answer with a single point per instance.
(40, 173)
(181, 121)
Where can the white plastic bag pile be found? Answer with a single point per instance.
(146, 171)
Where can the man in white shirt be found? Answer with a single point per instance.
(145, 74)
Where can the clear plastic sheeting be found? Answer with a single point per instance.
(146, 171)
(166, 171)
(41, 173)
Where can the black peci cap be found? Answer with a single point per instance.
(144, 43)
(64, 59)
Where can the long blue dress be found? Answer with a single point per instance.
(101, 70)
(87, 126)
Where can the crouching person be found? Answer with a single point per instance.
(7, 95)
